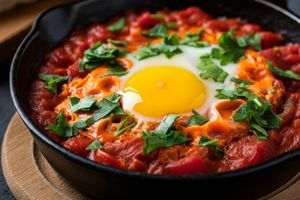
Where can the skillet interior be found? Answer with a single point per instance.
(100, 181)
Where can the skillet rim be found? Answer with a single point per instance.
(34, 130)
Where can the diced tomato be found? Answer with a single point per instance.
(192, 15)
(73, 71)
(146, 21)
(269, 39)
(249, 29)
(78, 144)
(223, 25)
(106, 159)
(186, 166)
(248, 151)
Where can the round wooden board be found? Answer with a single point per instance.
(29, 176)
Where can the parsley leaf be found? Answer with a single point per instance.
(250, 40)
(257, 112)
(155, 50)
(107, 106)
(84, 104)
(52, 80)
(98, 55)
(118, 42)
(60, 126)
(208, 69)
(197, 119)
(192, 40)
(163, 136)
(172, 40)
(239, 81)
(283, 73)
(158, 31)
(117, 26)
(114, 71)
(122, 128)
(206, 142)
(232, 48)
(172, 25)
(94, 145)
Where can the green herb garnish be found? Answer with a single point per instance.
(118, 42)
(84, 104)
(197, 119)
(155, 50)
(163, 136)
(52, 80)
(206, 142)
(232, 48)
(122, 128)
(192, 39)
(283, 73)
(94, 145)
(257, 112)
(107, 106)
(100, 54)
(158, 31)
(117, 26)
(60, 126)
(208, 69)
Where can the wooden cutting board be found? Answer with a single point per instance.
(30, 177)
(14, 24)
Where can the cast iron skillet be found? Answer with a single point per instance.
(105, 182)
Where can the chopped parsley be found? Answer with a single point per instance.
(206, 142)
(117, 26)
(123, 127)
(84, 104)
(164, 135)
(197, 119)
(232, 48)
(52, 80)
(118, 42)
(192, 39)
(60, 126)
(158, 31)
(100, 54)
(107, 106)
(94, 145)
(155, 50)
(257, 112)
(114, 71)
(283, 73)
(172, 25)
(239, 81)
(208, 69)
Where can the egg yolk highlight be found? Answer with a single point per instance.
(165, 90)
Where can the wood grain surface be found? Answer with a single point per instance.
(14, 24)
(30, 177)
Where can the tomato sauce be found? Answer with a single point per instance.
(241, 147)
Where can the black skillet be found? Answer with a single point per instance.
(103, 182)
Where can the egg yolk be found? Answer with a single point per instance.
(165, 90)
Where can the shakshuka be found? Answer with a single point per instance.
(171, 92)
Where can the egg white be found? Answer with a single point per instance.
(189, 60)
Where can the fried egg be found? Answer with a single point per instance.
(158, 86)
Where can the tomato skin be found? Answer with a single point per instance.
(269, 39)
(223, 25)
(146, 21)
(107, 159)
(186, 166)
(78, 144)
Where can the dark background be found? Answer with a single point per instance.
(7, 108)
